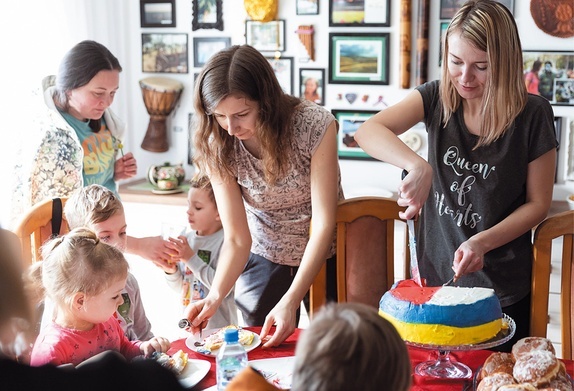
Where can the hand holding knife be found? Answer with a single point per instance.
(413, 246)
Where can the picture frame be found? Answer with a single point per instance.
(556, 82)
(207, 14)
(449, 7)
(205, 47)
(359, 58)
(316, 76)
(164, 53)
(266, 36)
(157, 13)
(283, 68)
(443, 27)
(307, 7)
(349, 122)
(359, 13)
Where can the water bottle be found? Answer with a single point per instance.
(231, 359)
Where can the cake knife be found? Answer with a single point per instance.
(413, 246)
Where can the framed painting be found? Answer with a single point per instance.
(265, 36)
(157, 13)
(359, 58)
(349, 122)
(207, 14)
(555, 70)
(164, 53)
(307, 7)
(205, 47)
(375, 13)
(443, 27)
(449, 7)
(312, 84)
(283, 68)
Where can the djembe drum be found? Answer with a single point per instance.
(160, 96)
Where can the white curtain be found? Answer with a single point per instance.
(35, 34)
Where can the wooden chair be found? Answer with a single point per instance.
(559, 225)
(365, 252)
(35, 228)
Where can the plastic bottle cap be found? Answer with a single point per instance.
(231, 335)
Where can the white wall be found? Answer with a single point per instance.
(38, 32)
(359, 177)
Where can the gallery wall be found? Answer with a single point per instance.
(359, 176)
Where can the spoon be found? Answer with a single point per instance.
(184, 323)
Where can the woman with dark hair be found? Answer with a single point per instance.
(492, 154)
(271, 159)
(80, 135)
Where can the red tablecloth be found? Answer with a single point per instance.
(473, 358)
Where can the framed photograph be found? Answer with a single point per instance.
(443, 27)
(449, 7)
(359, 58)
(207, 14)
(555, 70)
(265, 36)
(307, 7)
(205, 47)
(312, 85)
(376, 13)
(283, 67)
(157, 13)
(349, 122)
(164, 53)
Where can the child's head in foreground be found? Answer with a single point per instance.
(98, 208)
(348, 346)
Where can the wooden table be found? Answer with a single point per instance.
(140, 190)
(473, 358)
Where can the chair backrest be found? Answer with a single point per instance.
(366, 229)
(35, 227)
(559, 225)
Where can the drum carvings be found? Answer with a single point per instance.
(160, 96)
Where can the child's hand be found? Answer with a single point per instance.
(167, 266)
(156, 344)
(183, 250)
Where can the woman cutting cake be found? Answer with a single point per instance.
(490, 171)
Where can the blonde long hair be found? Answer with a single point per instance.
(490, 27)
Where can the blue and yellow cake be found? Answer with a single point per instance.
(442, 315)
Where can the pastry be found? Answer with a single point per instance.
(497, 362)
(495, 381)
(536, 367)
(528, 344)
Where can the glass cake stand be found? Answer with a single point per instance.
(445, 368)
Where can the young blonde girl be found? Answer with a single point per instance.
(84, 279)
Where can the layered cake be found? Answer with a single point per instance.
(442, 315)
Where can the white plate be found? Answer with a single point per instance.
(194, 371)
(172, 191)
(192, 339)
(277, 371)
